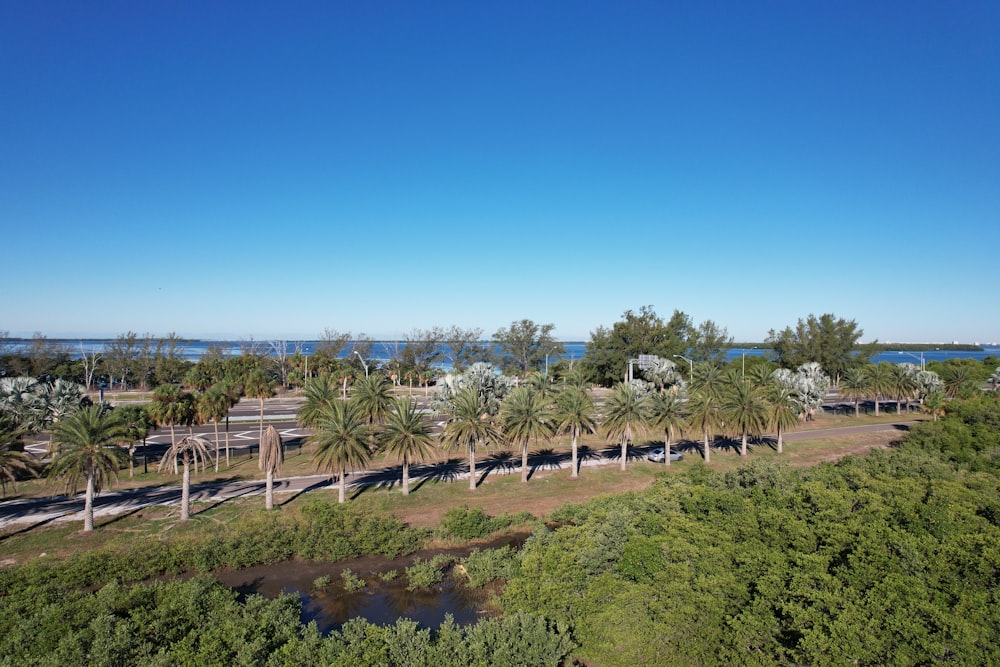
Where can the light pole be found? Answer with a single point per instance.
(921, 358)
(690, 365)
(362, 362)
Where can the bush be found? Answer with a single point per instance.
(427, 573)
(483, 567)
(352, 582)
(470, 524)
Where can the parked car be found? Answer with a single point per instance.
(657, 455)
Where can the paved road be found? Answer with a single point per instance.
(39, 511)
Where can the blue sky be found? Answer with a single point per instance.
(232, 169)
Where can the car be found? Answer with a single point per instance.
(657, 455)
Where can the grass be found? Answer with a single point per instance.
(547, 490)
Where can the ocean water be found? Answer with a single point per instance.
(575, 350)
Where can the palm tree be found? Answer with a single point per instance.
(373, 396)
(745, 410)
(86, 447)
(626, 415)
(407, 436)
(319, 394)
(782, 410)
(703, 415)
(526, 415)
(575, 414)
(213, 406)
(22, 399)
(957, 378)
(258, 385)
(667, 412)
(904, 384)
(137, 423)
(855, 384)
(168, 407)
(880, 381)
(341, 441)
(272, 455)
(704, 400)
(468, 425)
(190, 449)
(13, 460)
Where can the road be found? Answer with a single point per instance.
(40, 511)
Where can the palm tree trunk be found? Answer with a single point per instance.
(186, 492)
(779, 438)
(857, 408)
(524, 462)
(708, 450)
(624, 449)
(575, 463)
(342, 490)
(88, 504)
(472, 467)
(216, 424)
(876, 405)
(666, 446)
(131, 460)
(406, 477)
(743, 445)
(269, 491)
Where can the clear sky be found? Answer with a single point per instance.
(238, 169)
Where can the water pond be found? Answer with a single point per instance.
(381, 601)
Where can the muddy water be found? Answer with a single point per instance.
(380, 601)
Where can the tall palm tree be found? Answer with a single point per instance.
(626, 415)
(167, 407)
(272, 455)
(704, 401)
(880, 382)
(86, 447)
(407, 436)
(782, 410)
(191, 449)
(667, 412)
(744, 408)
(341, 441)
(13, 460)
(213, 406)
(526, 415)
(373, 396)
(575, 414)
(319, 394)
(855, 384)
(904, 385)
(703, 415)
(468, 425)
(137, 423)
(260, 386)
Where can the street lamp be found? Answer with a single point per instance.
(921, 358)
(690, 365)
(362, 362)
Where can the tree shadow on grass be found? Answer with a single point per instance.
(447, 471)
(31, 527)
(312, 487)
(501, 461)
(546, 459)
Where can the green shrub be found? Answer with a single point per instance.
(352, 582)
(470, 524)
(483, 567)
(423, 574)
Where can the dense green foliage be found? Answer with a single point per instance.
(469, 524)
(893, 558)
(81, 610)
